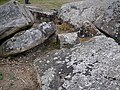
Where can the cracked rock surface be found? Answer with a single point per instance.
(27, 39)
(91, 65)
(104, 14)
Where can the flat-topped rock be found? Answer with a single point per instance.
(104, 14)
(42, 16)
(27, 39)
(13, 18)
(92, 65)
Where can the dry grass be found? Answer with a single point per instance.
(84, 39)
(46, 4)
(3, 1)
(65, 28)
(49, 3)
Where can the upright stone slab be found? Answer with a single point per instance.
(13, 18)
(26, 40)
(104, 14)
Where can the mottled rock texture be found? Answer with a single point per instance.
(13, 18)
(92, 65)
(104, 14)
(88, 30)
(27, 39)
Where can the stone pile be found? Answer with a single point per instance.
(90, 65)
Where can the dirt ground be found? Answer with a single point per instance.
(17, 75)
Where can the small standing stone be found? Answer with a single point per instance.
(68, 39)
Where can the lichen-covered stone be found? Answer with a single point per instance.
(13, 18)
(27, 39)
(67, 40)
(92, 65)
(104, 14)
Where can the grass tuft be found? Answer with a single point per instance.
(1, 75)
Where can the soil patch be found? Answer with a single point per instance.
(17, 75)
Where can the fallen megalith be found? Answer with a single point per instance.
(27, 39)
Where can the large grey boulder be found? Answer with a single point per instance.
(26, 40)
(104, 14)
(13, 18)
(92, 65)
